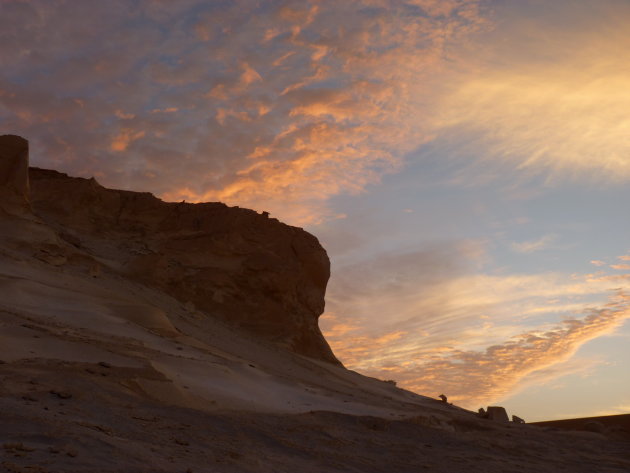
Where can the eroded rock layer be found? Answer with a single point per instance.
(252, 271)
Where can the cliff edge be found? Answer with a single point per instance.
(249, 270)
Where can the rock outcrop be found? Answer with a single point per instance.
(13, 174)
(497, 413)
(249, 270)
(254, 272)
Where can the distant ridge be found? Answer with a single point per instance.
(617, 424)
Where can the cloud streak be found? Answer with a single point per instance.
(479, 377)
(552, 104)
(534, 245)
(427, 320)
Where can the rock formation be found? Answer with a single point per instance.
(13, 173)
(497, 413)
(249, 270)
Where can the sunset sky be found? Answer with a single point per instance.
(466, 164)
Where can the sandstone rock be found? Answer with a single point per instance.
(497, 413)
(250, 270)
(14, 187)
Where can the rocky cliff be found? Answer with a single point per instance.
(252, 271)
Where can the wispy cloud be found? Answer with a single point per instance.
(531, 246)
(477, 376)
(430, 321)
(551, 104)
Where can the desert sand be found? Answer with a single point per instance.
(141, 336)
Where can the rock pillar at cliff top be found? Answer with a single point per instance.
(14, 187)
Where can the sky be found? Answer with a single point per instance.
(464, 162)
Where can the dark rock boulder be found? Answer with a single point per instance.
(497, 413)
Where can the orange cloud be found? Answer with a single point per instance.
(165, 110)
(342, 124)
(124, 116)
(124, 138)
(249, 75)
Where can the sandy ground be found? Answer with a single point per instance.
(74, 417)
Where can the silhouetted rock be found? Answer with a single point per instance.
(14, 186)
(497, 413)
(517, 420)
(243, 267)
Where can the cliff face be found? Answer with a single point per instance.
(252, 271)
